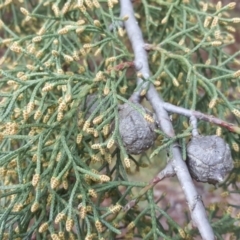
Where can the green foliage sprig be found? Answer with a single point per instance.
(61, 173)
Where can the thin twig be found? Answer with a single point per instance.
(141, 63)
(209, 118)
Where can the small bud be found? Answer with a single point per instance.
(164, 20)
(54, 236)
(131, 225)
(86, 125)
(54, 182)
(110, 4)
(110, 143)
(212, 207)
(97, 23)
(98, 51)
(125, 17)
(92, 193)
(62, 106)
(82, 8)
(229, 210)
(80, 29)
(59, 217)
(17, 207)
(127, 162)
(98, 119)
(68, 58)
(39, 54)
(65, 184)
(182, 233)
(15, 48)
(95, 158)
(90, 130)
(219, 131)
(225, 194)
(59, 155)
(46, 118)
(205, 7)
(212, 103)
(231, 29)
(104, 178)
(106, 91)
(98, 226)
(24, 11)
(69, 224)
(236, 112)
(116, 208)
(96, 146)
(231, 5)
(20, 74)
(37, 114)
(110, 59)
(219, 5)
(83, 212)
(30, 67)
(41, 31)
(43, 227)
(207, 21)
(235, 20)
(37, 39)
(149, 118)
(120, 31)
(102, 151)
(139, 75)
(55, 53)
(59, 116)
(75, 56)
(236, 74)
(48, 87)
(235, 147)
(217, 34)
(216, 43)
(30, 107)
(34, 207)
(49, 199)
(96, 4)
(175, 82)
(143, 92)
(214, 22)
(181, 42)
(87, 46)
(65, 7)
(79, 138)
(108, 158)
(55, 9)
(35, 179)
(106, 130)
(208, 62)
(99, 76)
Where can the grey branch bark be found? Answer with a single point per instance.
(196, 208)
(198, 115)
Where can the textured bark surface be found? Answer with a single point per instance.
(137, 133)
(209, 159)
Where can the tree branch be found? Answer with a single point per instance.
(141, 63)
(209, 118)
